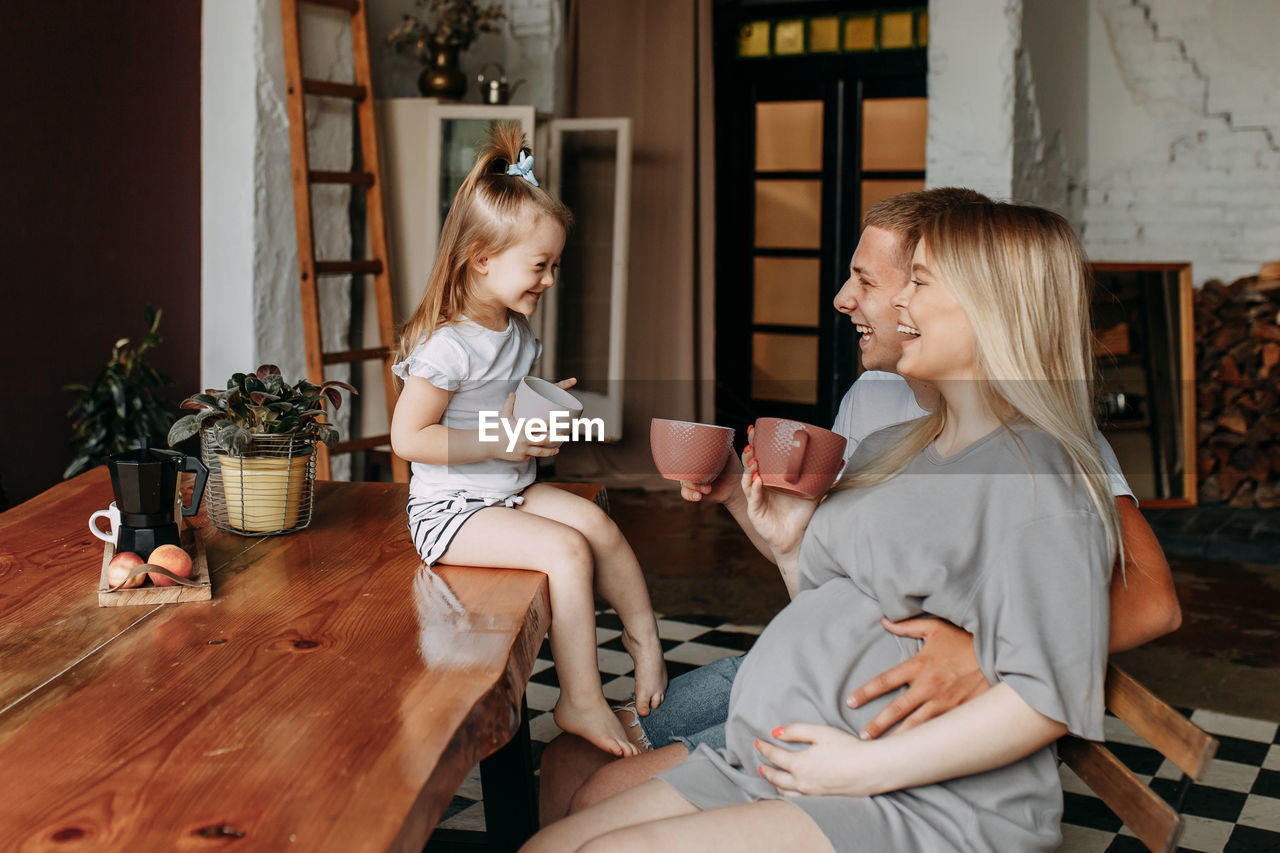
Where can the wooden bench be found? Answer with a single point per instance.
(1156, 823)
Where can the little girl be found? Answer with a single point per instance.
(471, 503)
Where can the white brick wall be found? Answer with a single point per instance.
(1153, 125)
(972, 47)
(250, 305)
(1183, 159)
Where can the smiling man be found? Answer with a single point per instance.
(944, 673)
(879, 270)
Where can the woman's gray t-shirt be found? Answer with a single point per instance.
(1000, 539)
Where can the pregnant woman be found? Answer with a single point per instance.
(994, 513)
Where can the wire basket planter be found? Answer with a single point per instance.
(266, 492)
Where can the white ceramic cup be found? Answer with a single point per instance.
(538, 398)
(112, 514)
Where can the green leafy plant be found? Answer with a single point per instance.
(260, 403)
(122, 405)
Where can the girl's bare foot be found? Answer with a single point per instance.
(595, 723)
(651, 670)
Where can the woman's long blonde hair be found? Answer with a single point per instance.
(490, 212)
(1023, 282)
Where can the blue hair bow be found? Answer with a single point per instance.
(523, 167)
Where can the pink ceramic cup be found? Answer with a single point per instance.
(684, 450)
(797, 458)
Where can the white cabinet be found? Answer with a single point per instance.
(428, 148)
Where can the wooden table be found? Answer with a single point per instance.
(318, 702)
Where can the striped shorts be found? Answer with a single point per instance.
(434, 523)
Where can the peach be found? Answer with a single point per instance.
(169, 557)
(120, 566)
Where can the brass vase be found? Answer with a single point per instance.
(442, 78)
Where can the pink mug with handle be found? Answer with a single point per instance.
(797, 458)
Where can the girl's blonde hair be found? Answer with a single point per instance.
(489, 214)
(1023, 282)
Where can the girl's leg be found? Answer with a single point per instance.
(654, 817)
(507, 539)
(619, 580)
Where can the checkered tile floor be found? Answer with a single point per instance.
(1235, 810)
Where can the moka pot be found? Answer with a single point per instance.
(145, 483)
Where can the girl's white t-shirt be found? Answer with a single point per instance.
(481, 367)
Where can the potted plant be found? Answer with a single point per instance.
(258, 440)
(448, 26)
(122, 405)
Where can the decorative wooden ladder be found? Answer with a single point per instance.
(310, 269)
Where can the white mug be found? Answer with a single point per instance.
(538, 398)
(112, 514)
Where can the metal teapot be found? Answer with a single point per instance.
(495, 90)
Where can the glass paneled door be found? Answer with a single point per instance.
(817, 118)
(786, 251)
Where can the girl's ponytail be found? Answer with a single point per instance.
(501, 149)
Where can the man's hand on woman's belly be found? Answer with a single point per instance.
(942, 675)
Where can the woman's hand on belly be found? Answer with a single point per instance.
(995, 729)
(828, 766)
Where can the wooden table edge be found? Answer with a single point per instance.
(475, 739)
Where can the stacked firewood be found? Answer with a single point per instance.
(1237, 329)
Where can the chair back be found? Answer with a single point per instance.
(1156, 823)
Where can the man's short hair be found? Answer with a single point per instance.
(906, 214)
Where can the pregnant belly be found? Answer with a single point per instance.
(824, 644)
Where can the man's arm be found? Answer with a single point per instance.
(1144, 605)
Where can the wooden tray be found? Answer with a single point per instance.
(193, 545)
